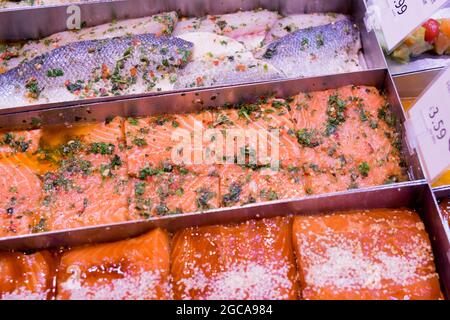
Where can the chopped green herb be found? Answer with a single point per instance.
(364, 169)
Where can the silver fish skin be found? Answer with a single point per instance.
(327, 49)
(233, 70)
(93, 68)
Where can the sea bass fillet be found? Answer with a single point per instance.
(159, 24)
(296, 22)
(328, 49)
(95, 68)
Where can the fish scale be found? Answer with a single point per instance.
(83, 61)
(328, 49)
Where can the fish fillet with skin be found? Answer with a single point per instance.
(296, 22)
(322, 50)
(135, 269)
(248, 261)
(248, 27)
(219, 60)
(16, 53)
(95, 68)
(27, 276)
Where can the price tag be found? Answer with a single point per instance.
(430, 121)
(400, 17)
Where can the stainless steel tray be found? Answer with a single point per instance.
(32, 23)
(188, 102)
(442, 192)
(413, 84)
(415, 194)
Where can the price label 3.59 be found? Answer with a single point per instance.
(430, 120)
(400, 17)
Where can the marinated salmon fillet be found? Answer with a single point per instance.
(251, 260)
(20, 193)
(265, 129)
(268, 149)
(240, 185)
(90, 185)
(19, 142)
(377, 254)
(348, 138)
(158, 194)
(27, 276)
(130, 269)
(158, 141)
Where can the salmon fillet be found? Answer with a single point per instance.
(90, 186)
(125, 270)
(348, 137)
(240, 185)
(20, 193)
(27, 276)
(174, 192)
(19, 141)
(265, 129)
(377, 254)
(157, 141)
(251, 260)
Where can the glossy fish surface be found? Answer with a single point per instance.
(248, 261)
(382, 254)
(96, 68)
(134, 269)
(328, 49)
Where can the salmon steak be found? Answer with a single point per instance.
(132, 269)
(377, 254)
(27, 276)
(251, 260)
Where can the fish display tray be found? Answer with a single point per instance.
(412, 85)
(442, 192)
(32, 23)
(415, 194)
